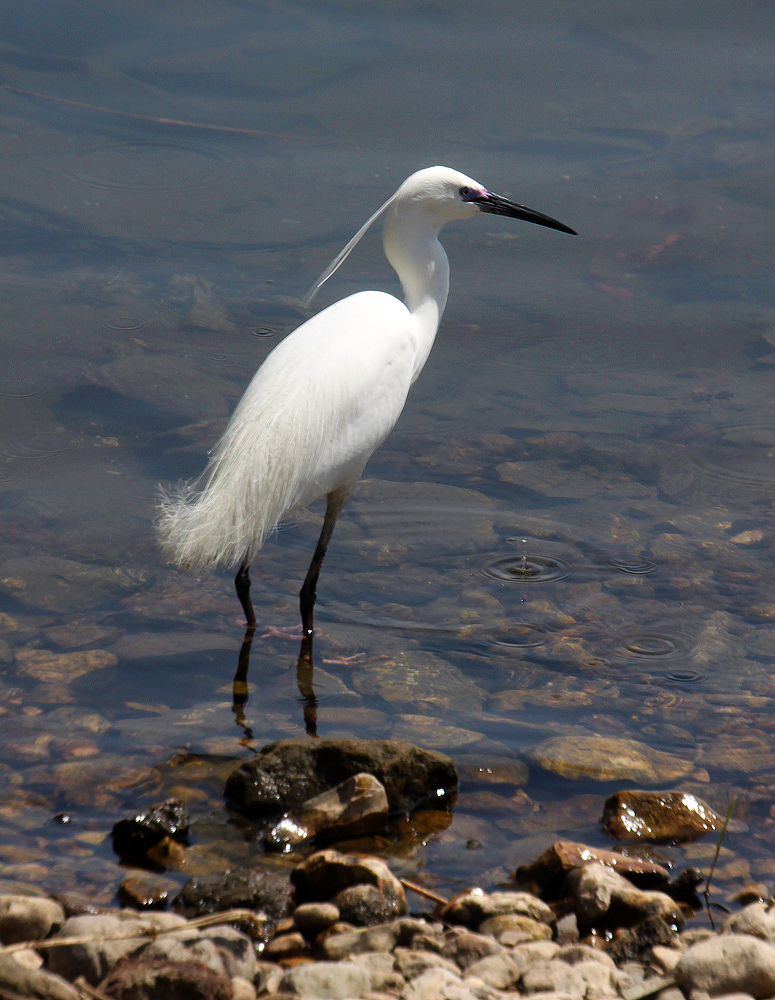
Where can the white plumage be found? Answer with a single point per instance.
(329, 394)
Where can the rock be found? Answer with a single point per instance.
(757, 919)
(147, 891)
(28, 918)
(658, 816)
(602, 898)
(499, 971)
(249, 888)
(322, 876)
(465, 947)
(365, 905)
(381, 967)
(412, 963)
(327, 980)
(222, 948)
(18, 981)
(584, 978)
(312, 918)
(728, 963)
(355, 806)
(546, 875)
(435, 984)
(420, 680)
(517, 927)
(62, 668)
(288, 772)
(106, 942)
(64, 585)
(474, 906)
(609, 759)
(143, 978)
(635, 944)
(684, 887)
(284, 946)
(242, 989)
(133, 838)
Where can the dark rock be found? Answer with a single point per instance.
(159, 979)
(658, 816)
(546, 875)
(312, 918)
(684, 887)
(132, 838)
(366, 905)
(17, 981)
(146, 891)
(634, 944)
(288, 772)
(248, 888)
(325, 874)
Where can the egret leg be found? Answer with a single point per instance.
(242, 585)
(334, 503)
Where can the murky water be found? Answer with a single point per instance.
(569, 533)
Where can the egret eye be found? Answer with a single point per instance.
(464, 192)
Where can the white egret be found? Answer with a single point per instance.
(329, 394)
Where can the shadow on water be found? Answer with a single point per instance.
(304, 679)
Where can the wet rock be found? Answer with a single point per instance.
(146, 891)
(328, 875)
(133, 838)
(634, 944)
(142, 978)
(474, 906)
(684, 887)
(28, 918)
(356, 806)
(757, 919)
(602, 898)
(18, 981)
(729, 963)
(263, 892)
(332, 980)
(658, 816)
(546, 875)
(106, 942)
(609, 759)
(365, 905)
(63, 668)
(288, 772)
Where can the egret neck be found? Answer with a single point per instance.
(411, 244)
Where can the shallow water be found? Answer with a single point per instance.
(568, 534)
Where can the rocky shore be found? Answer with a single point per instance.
(577, 923)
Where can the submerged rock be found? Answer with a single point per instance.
(288, 772)
(133, 838)
(609, 759)
(658, 816)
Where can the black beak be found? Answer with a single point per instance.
(493, 204)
